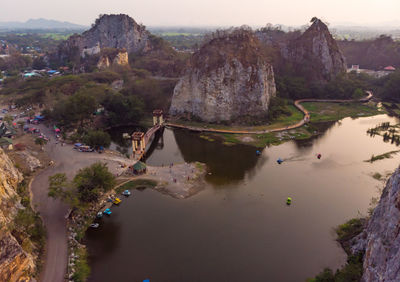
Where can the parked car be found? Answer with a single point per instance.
(85, 149)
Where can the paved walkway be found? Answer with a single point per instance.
(297, 104)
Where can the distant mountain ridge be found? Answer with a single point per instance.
(40, 24)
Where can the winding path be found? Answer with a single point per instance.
(297, 104)
(53, 212)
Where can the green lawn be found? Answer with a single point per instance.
(282, 121)
(335, 111)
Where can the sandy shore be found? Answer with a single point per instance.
(179, 180)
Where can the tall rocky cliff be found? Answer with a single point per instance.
(122, 34)
(15, 263)
(228, 79)
(109, 31)
(313, 54)
(381, 238)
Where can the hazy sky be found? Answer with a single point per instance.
(206, 12)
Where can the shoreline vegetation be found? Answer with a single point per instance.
(353, 269)
(281, 129)
(387, 155)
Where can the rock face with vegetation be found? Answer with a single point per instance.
(15, 263)
(381, 238)
(118, 33)
(109, 31)
(228, 79)
(317, 48)
(108, 59)
(313, 54)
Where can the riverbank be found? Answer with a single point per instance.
(300, 124)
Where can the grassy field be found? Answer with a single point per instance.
(335, 111)
(282, 121)
(320, 112)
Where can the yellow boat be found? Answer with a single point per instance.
(117, 201)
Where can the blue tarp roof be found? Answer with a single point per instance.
(78, 144)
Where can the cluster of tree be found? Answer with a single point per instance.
(352, 271)
(97, 139)
(161, 60)
(86, 187)
(35, 40)
(388, 87)
(372, 54)
(156, 94)
(344, 86)
(72, 100)
(277, 107)
(15, 62)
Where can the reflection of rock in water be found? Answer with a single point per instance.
(321, 128)
(227, 164)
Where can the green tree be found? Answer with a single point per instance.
(93, 180)
(358, 93)
(74, 109)
(97, 139)
(118, 105)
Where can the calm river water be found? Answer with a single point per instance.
(239, 227)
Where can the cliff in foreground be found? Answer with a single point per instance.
(381, 238)
(16, 262)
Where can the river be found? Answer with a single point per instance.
(239, 227)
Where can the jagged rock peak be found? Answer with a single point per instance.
(225, 45)
(317, 49)
(108, 31)
(227, 79)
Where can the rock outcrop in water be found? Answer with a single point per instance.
(228, 79)
(313, 54)
(381, 238)
(15, 263)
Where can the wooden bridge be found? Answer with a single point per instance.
(140, 139)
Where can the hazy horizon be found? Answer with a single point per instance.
(211, 13)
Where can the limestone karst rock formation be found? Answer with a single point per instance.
(15, 263)
(313, 54)
(109, 31)
(227, 80)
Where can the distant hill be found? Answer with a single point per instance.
(40, 24)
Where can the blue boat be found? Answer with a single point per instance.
(107, 211)
(99, 215)
(258, 153)
(126, 193)
(279, 161)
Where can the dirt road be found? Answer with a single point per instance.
(66, 160)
